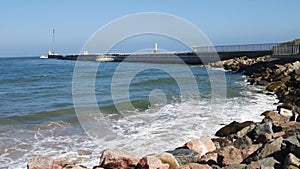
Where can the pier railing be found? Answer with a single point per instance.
(286, 49)
(235, 48)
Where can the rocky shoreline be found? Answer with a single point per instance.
(272, 143)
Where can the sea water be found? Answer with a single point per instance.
(38, 115)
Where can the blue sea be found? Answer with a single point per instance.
(76, 109)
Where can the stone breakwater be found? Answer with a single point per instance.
(272, 143)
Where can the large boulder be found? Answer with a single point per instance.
(242, 143)
(221, 142)
(169, 159)
(273, 87)
(210, 158)
(286, 112)
(292, 145)
(260, 130)
(195, 166)
(40, 162)
(291, 161)
(269, 149)
(266, 137)
(246, 152)
(151, 162)
(236, 166)
(45, 162)
(275, 118)
(202, 145)
(115, 159)
(245, 131)
(229, 155)
(268, 162)
(232, 128)
(185, 156)
(291, 128)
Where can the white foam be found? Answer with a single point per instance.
(172, 125)
(160, 128)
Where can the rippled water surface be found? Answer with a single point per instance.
(161, 112)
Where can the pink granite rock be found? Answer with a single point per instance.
(45, 162)
(195, 166)
(202, 145)
(229, 155)
(151, 162)
(116, 159)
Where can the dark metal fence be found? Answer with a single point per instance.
(287, 49)
(235, 48)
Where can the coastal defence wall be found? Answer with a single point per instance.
(170, 57)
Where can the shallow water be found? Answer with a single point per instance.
(162, 111)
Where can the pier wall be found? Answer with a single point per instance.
(170, 57)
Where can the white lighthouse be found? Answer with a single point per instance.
(155, 48)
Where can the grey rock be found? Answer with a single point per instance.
(271, 149)
(215, 167)
(291, 160)
(260, 130)
(269, 162)
(232, 128)
(242, 143)
(236, 166)
(116, 158)
(185, 156)
(292, 145)
(245, 131)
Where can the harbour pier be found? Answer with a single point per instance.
(198, 55)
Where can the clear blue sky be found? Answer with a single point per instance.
(26, 25)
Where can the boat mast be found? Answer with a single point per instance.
(53, 40)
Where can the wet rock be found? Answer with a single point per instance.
(236, 166)
(297, 71)
(232, 128)
(245, 131)
(215, 167)
(273, 87)
(221, 142)
(229, 155)
(291, 128)
(263, 138)
(269, 149)
(40, 162)
(242, 143)
(210, 158)
(254, 165)
(115, 159)
(97, 167)
(292, 145)
(185, 156)
(277, 134)
(286, 112)
(280, 69)
(45, 162)
(260, 130)
(202, 145)
(195, 166)
(275, 118)
(269, 162)
(151, 162)
(246, 152)
(76, 167)
(169, 159)
(268, 137)
(291, 161)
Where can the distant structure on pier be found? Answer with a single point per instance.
(155, 48)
